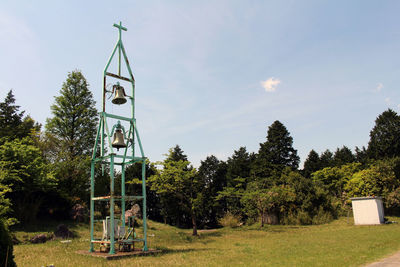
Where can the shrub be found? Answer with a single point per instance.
(300, 218)
(230, 220)
(6, 246)
(251, 220)
(322, 217)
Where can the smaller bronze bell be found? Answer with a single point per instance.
(119, 97)
(118, 141)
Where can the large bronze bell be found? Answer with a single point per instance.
(118, 141)
(119, 97)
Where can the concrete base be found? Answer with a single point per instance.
(118, 254)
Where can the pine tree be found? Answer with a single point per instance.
(238, 174)
(176, 154)
(13, 124)
(311, 164)
(75, 117)
(276, 153)
(211, 179)
(239, 166)
(326, 159)
(385, 136)
(343, 156)
(72, 132)
(361, 154)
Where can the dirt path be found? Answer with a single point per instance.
(391, 261)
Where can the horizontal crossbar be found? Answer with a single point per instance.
(105, 198)
(117, 117)
(118, 77)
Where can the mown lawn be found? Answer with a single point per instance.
(336, 244)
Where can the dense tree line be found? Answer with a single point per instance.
(268, 186)
(44, 171)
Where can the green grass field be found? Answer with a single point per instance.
(336, 244)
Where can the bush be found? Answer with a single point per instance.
(6, 246)
(229, 220)
(299, 218)
(322, 217)
(304, 218)
(251, 220)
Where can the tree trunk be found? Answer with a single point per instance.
(262, 219)
(194, 224)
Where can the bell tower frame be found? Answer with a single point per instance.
(108, 156)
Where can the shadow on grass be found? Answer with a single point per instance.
(46, 226)
(165, 251)
(278, 228)
(205, 234)
(27, 231)
(202, 237)
(274, 230)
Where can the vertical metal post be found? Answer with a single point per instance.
(102, 119)
(119, 58)
(112, 223)
(119, 48)
(144, 204)
(91, 205)
(133, 136)
(123, 194)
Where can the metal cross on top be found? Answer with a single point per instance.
(119, 26)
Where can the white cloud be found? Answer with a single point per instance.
(387, 100)
(379, 87)
(398, 106)
(270, 84)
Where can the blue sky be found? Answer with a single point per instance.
(211, 76)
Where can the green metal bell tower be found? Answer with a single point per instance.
(106, 151)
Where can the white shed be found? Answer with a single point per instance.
(367, 210)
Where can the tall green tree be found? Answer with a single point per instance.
(212, 179)
(176, 154)
(74, 121)
(385, 136)
(71, 134)
(276, 153)
(312, 163)
(343, 156)
(361, 155)
(237, 176)
(172, 213)
(177, 179)
(13, 124)
(327, 159)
